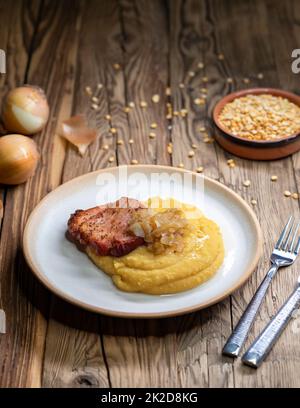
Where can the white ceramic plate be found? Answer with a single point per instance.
(71, 275)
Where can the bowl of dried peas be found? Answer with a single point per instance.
(258, 123)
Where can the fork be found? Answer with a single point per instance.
(263, 344)
(284, 254)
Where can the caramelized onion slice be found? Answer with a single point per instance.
(77, 132)
(163, 231)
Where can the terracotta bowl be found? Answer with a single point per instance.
(255, 149)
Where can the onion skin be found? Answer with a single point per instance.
(77, 132)
(19, 157)
(25, 110)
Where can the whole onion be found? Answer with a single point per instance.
(25, 110)
(18, 159)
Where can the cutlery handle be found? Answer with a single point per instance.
(260, 348)
(236, 340)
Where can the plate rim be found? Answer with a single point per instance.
(216, 299)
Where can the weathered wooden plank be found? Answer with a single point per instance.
(189, 47)
(73, 355)
(16, 47)
(91, 71)
(191, 44)
(140, 353)
(146, 74)
(23, 16)
(252, 52)
(16, 43)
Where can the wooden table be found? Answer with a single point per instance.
(64, 46)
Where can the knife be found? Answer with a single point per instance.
(263, 344)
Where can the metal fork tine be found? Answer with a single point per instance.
(286, 243)
(294, 237)
(297, 247)
(283, 234)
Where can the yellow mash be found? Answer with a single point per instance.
(143, 271)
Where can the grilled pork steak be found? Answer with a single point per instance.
(105, 228)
